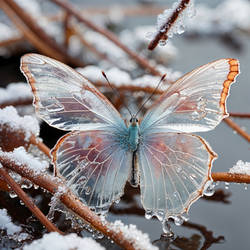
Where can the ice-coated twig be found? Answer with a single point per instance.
(237, 128)
(229, 177)
(111, 36)
(52, 184)
(35, 34)
(28, 201)
(162, 33)
(239, 115)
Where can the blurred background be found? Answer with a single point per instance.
(219, 29)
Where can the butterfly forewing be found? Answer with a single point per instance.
(94, 165)
(194, 103)
(65, 99)
(174, 169)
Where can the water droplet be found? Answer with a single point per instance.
(178, 220)
(21, 202)
(162, 42)
(12, 194)
(148, 214)
(160, 215)
(185, 217)
(245, 186)
(117, 201)
(167, 229)
(209, 189)
(181, 29)
(227, 185)
(36, 186)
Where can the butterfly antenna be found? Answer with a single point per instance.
(161, 80)
(116, 91)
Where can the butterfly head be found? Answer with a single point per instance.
(133, 121)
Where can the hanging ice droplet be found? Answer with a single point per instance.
(227, 185)
(185, 217)
(245, 186)
(178, 220)
(209, 188)
(12, 194)
(167, 229)
(162, 42)
(21, 202)
(117, 201)
(181, 29)
(148, 214)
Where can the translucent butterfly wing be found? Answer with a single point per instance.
(94, 165)
(194, 103)
(174, 169)
(65, 99)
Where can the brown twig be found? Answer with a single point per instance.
(162, 32)
(240, 115)
(70, 201)
(237, 128)
(111, 36)
(37, 142)
(21, 102)
(35, 34)
(228, 177)
(28, 202)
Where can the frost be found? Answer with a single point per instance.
(15, 92)
(56, 241)
(21, 157)
(138, 239)
(28, 124)
(178, 27)
(7, 224)
(240, 168)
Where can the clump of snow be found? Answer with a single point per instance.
(7, 224)
(28, 124)
(178, 27)
(121, 78)
(56, 241)
(223, 18)
(92, 72)
(139, 239)
(21, 157)
(240, 168)
(15, 92)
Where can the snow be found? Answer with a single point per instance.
(223, 18)
(240, 168)
(21, 157)
(7, 224)
(139, 239)
(28, 124)
(15, 92)
(120, 78)
(56, 241)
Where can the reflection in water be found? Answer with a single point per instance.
(201, 240)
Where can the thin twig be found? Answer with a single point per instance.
(28, 202)
(240, 115)
(37, 142)
(35, 34)
(229, 177)
(11, 41)
(70, 201)
(111, 36)
(162, 32)
(237, 128)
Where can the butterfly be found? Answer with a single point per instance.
(159, 153)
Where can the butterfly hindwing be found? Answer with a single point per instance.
(174, 168)
(94, 165)
(194, 103)
(65, 99)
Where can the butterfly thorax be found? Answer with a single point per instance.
(133, 134)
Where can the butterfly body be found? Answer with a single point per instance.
(101, 153)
